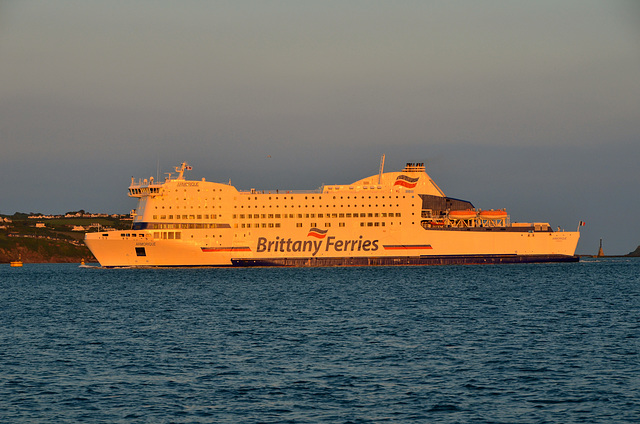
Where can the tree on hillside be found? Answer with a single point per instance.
(81, 212)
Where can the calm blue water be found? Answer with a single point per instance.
(465, 344)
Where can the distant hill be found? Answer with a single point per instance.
(635, 252)
(51, 239)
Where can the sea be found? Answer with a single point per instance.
(525, 343)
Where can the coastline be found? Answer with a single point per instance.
(41, 250)
(38, 238)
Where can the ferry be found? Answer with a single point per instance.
(391, 218)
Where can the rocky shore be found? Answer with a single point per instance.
(40, 250)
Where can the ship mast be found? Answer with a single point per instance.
(381, 169)
(180, 170)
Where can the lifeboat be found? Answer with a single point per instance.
(464, 214)
(491, 214)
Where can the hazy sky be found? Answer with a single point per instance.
(533, 106)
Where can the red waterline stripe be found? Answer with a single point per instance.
(225, 249)
(407, 247)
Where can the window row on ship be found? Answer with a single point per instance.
(185, 217)
(284, 216)
(321, 215)
(314, 224)
(178, 234)
(334, 197)
(144, 190)
(199, 226)
(256, 198)
(305, 197)
(292, 206)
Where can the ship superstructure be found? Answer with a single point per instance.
(393, 218)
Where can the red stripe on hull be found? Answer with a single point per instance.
(225, 249)
(408, 247)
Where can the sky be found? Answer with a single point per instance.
(529, 106)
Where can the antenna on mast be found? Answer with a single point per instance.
(381, 169)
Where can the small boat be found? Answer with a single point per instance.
(463, 214)
(17, 263)
(491, 214)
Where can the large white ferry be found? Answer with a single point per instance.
(393, 218)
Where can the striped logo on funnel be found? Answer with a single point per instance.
(317, 233)
(405, 181)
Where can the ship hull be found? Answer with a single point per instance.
(385, 248)
(405, 261)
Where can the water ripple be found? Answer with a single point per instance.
(484, 344)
